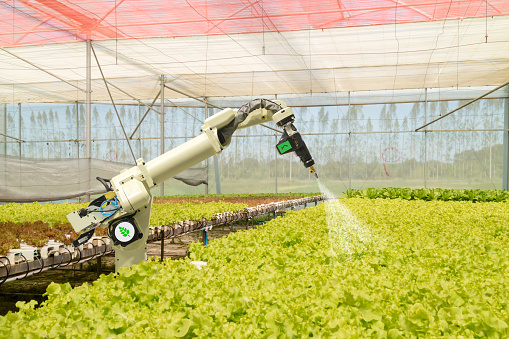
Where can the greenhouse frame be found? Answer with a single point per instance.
(254, 169)
(90, 81)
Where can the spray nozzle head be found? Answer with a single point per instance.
(313, 171)
(291, 141)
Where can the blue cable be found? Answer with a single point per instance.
(109, 213)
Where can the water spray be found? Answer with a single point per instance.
(348, 236)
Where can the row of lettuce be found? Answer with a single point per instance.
(349, 268)
(245, 195)
(22, 223)
(35, 224)
(429, 194)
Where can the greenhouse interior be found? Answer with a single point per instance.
(386, 219)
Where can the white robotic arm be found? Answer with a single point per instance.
(125, 208)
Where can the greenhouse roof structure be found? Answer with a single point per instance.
(228, 49)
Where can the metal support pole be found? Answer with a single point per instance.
(139, 133)
(19, 127)
(291, 162)
(349, 145)
(275, 160)
(207, 160)
(88, 129)
(5, 130)
(505, 173)
(425, 137)
(162, 125)
(205, 237)
(88, 103)
(77, 131)
(217, 174)
(77, 139)
(161, 232)
(99, 265)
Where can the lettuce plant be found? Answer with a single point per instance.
(430, 269)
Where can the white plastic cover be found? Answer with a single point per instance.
(27, 180)
(434, 54)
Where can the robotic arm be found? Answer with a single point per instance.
(125, 209)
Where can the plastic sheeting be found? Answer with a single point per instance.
(434, 54)
(35, 22)
(27, 180)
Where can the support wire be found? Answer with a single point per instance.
(8, 136)
(192, 116)
(148, 110)
(209, 104)
(464, 105)
(132, 97)
(113, 102)
(42, 69)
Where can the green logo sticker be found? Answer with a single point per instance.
(124, 231)
(284, 147)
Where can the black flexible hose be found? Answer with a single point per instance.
(104, 246)
(40, 259)
(61, 259)
(95, 252)
(79, 251)
(28, 266)
(7, 268)
(224, 134)
(105, 183)
(70, 257)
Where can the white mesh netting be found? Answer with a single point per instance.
(27, 180)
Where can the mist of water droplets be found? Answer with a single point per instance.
(348, 236)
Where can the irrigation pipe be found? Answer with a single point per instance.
(185, 227)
